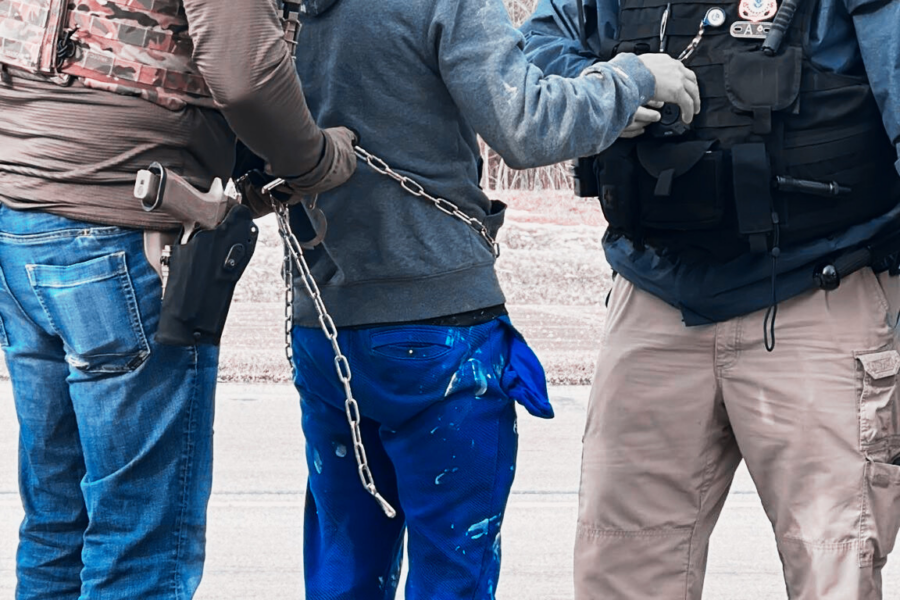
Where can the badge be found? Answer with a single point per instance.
(758, 10)
(745, 30)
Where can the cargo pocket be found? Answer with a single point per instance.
(879, 424)
(93, 308)
(881, 512)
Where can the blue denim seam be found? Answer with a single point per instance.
(186, 475)
(5, 288)
(136, 320)
(41, 238)
(131, 305)
(4, 339)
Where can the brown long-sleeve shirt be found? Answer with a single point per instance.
(74, 151)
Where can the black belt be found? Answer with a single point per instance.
(463, 319)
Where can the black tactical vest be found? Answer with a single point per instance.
(764, 118)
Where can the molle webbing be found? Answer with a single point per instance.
(135, 47)
(762, 117)
(28, 34)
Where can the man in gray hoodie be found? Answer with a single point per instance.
(436, 365)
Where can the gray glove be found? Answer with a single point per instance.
(337, 165)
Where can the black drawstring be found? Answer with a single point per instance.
(609, 293)
(772, 311)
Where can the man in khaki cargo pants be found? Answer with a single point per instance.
(674, 409)
(755, 310)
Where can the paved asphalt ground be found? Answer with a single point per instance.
(255, 512)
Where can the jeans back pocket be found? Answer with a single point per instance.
(93, 308)
(412, 343)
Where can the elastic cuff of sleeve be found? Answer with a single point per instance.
(853, 6)
(631, 66)
(319, 171)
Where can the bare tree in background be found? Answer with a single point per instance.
(519, 10)
(497, 175)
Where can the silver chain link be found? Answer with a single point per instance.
(416, 189)
(293, 251)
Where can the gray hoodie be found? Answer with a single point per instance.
(419, 80)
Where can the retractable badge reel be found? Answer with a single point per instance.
(670, 123)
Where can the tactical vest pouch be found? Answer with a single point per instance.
(681, 186)
(29, 33)
(202, 276)
(761, 84)
(753, 193)
(614, 173)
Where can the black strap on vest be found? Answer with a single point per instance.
(582, 25)
(753, 193)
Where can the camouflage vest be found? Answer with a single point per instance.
(132, 47)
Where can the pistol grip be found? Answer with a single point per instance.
(159, 189)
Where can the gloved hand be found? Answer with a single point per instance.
(250, 186)
(338, 163)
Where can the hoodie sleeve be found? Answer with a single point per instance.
(553, 37)
(240, 51)
(879, 42)
(528, 118)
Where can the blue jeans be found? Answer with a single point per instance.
(115, 443)
(440, 433)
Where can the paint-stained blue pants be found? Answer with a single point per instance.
(440, 433)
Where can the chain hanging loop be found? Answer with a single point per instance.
(294, 255)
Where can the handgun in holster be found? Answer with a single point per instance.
(200, 269)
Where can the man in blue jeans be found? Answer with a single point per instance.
(115, 447)
(436, 364)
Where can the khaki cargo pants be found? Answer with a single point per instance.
(674, 409)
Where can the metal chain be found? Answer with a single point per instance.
(293, 251)
(416, 189)
(687, 52)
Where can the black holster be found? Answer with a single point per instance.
(202, 276)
